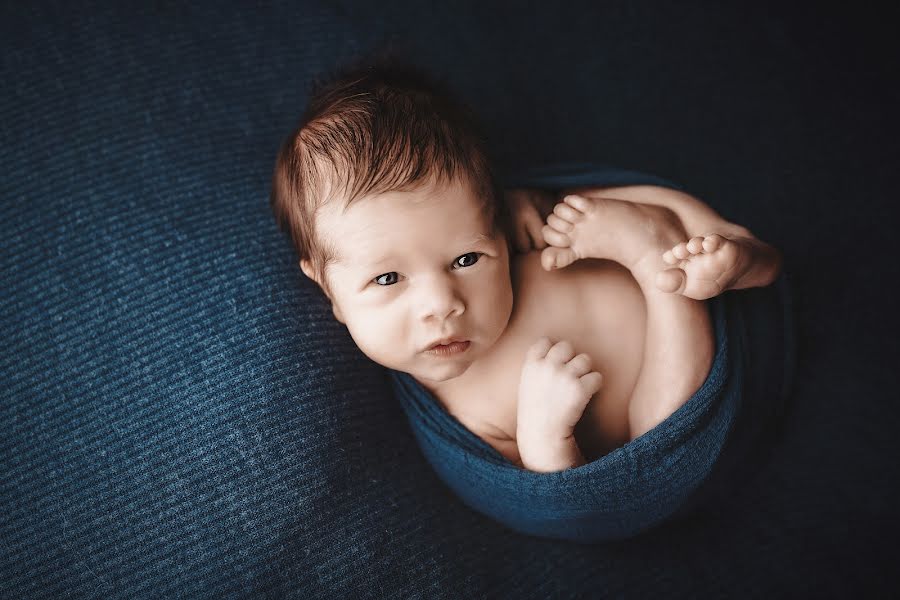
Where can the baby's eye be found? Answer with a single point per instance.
(385, 275)
(477, 254)
(470, 262)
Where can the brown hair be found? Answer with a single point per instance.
(375, 127)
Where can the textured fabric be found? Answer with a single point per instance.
(650, 478)
(181, 416)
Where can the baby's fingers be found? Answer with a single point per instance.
(592, 382)
(561, 352)
(580, 365)
(539, 348)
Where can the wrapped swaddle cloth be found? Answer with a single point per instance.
(693, 457)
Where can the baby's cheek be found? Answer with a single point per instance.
(378, 337)
(497, 309)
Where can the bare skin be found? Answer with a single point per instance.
(715, 256)
(423, 264)
(675, 267)
(678, 346)
(703, 267)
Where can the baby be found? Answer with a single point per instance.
(556, 325)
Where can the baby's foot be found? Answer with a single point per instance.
(711, 264)
(629, 233)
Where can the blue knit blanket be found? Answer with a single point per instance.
(666, 471)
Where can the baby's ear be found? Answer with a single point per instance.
(306, 267)
(337, 313)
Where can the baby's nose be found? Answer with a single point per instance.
(441, 301)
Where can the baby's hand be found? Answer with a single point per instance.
(529, 208)
(554, 390)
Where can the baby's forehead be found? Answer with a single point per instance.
(361, 241)
(433, 205)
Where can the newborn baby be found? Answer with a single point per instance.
(556, 325)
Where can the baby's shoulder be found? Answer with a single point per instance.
(537, 291)
(559, 297)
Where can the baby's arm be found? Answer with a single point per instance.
(554, 388)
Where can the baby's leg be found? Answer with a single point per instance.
(715, 256)
(678, 344)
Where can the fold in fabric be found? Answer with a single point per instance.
(694, 457)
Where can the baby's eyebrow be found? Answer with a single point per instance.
(478, 238)
(385, 257)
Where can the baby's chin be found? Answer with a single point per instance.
(436, 376)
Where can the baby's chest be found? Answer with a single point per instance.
(600, 310)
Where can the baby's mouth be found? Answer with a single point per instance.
(450, 349)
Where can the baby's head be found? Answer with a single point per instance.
(387, 192)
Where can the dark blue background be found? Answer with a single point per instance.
(181, 415)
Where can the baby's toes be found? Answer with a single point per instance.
(559, 224)
(567, 212)
(669, 258)
(712, 242)
(695, 245)
(554, 237)
(557, 258)
(680, 251)
(579, 203)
